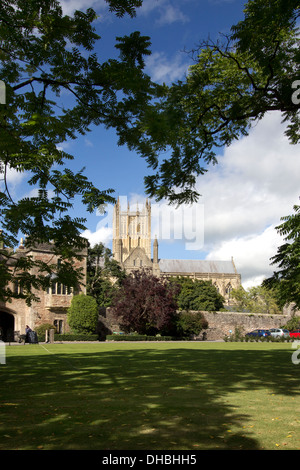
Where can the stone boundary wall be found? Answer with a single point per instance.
(219, 323)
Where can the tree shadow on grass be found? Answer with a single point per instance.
(135, 398)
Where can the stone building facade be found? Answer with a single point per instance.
(132, 249)
(53, 304)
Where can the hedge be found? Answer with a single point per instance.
(75, 337)
(140, 338)
(71, 337)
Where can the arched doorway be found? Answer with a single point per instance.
(7, 326)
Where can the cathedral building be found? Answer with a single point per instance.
(132, 249)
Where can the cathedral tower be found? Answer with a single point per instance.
(131, 229)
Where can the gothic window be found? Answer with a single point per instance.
(228, 288)
(123, 228)
(137, 262)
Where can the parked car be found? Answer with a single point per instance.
(295, 334)
(258, 332)
(279, 332)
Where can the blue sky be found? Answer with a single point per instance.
(174, 26)
(243, 197)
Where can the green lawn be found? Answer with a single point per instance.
(150, 396)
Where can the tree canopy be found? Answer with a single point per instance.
(104, 274)
(145, 304)
(196, 294)
(56, 88)
(286, 278)
(233, 83)
(46, 56)
(258, 299)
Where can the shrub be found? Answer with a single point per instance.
(191, 323)
(293, 323)
(138, 338)
(83, 314)
(237, 336)
(145, 304)
(41, 329)
(75, 337)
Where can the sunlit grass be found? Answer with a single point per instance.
(154, 396)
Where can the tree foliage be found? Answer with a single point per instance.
(195, 294)
(258, 299)
(56, 89)
(145, 304)
(293, 323)
(286, 279)
(191, 323)
(233, 83)
(83, 314)
(104, 274)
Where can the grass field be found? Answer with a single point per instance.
(150, 396)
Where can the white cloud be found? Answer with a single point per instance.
(69, 6)
(255, 183)
(149, 6)
(14, 177)
(88, 142)
(64, 146)
(101, 235)
(251, 254)
(164, 69)
(14, 180)
(35, 192)
(171, 14)
(165, 9)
